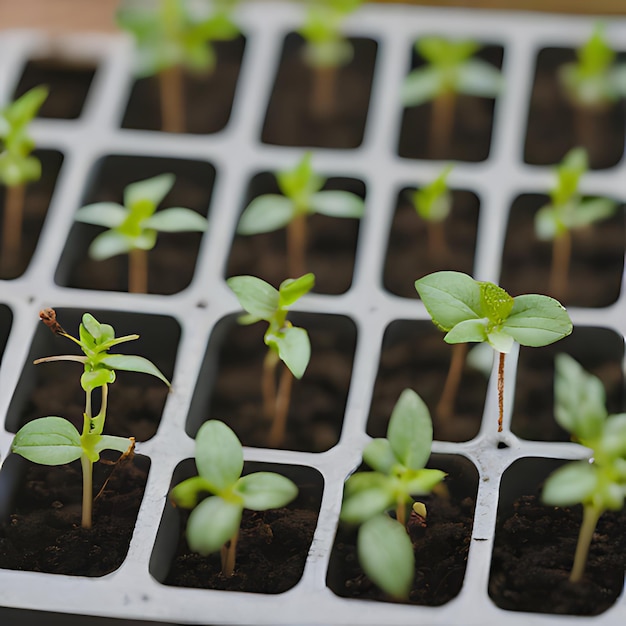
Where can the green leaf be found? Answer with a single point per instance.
(219, 455)
(479, 78)
(410, 430)
(547, 223)
(95, 329)
(495, 302)
(187, 493)
(132, 363)
(256, 296)
(337, 204)
(423, 481)
(265, 214)
(97, 378)
(450, 298)
(177, 220)
(265, 490)
(468, 331)
(570, 484)
(591, 211)
(108, 244)
(301, 182)
(379, 455)
(211, 524)
(107, 214)
(292, 289)
(152, 189)
(48, 441)
(537, 321)
(294, 349)
(109, 442)
(363, 481)
(613, 441)
(25, 108)
(500, 342)
(386, 555)
(421, 85)
(364, 504)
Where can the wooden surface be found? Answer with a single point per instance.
(59, 16)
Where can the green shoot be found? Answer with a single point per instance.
(285, 342)
(474, 311)
(450, 70)
(326, 49)
(567, 212)
(384, 547)
(170, 38)
(17, 167)
(214, 522)
(599, 482)
(54, 440)
(133, 227)
(302, 196)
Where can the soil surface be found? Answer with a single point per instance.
(409, 253)
(555, 126)
(331, 243)
(290, 120)
(208, 97)
(43, 531)
(533, 555)
(597, 260)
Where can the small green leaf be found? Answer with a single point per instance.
(591, 211)
(337, 204)
(92, 326)
(219, 455)
(176, 220)
(469, 331)
(386, 555)
(152, 189)
(570, 484)
(495, 302)
(265, 214)
(107, 214)
(109, 442)
(187, 493)
(613, 441)
(108, 244)
(379, 455)
(294, 349)
(48, 441)
(97, 378)
(132, 363)
(211, 524)
(364, 504)
(256, 296)
(500, 342)
(422, 481)
(265, 490)
(421, 85)
(25, 108)
(479, 78)
(292, 289)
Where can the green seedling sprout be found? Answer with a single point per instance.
(54, 440)
(17, 167)
(567, 212)
(133, 227)
(326, 49)
(170, 38)
(599, 482)
(302, 196)
(475, 311)
(214, 522)
(384, 547)
(450, 70)
(285, 342)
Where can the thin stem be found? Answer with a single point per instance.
(591, 515)
(138, 271)
(445, 408)
(500, 390)
(87, 467)
(561, 254)
(442, 124)
(172, 100)
(324, 91)
(401, 513)
(283, 397)
(228, 555)
(268, 384)
(296, 245)
(12, 226)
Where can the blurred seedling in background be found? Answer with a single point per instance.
(285, 342)
(302, 196)
(326, 49)
(17, 168)
(475, 311)
(384, 548)
(56, 441)
(599, 481)
(568, 212)
(172, 37)
(133, 227)
(450, 70)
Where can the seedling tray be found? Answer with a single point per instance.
(205, 306)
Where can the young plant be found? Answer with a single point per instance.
(475, 311)
(171, 38)
(450, 70)
(54, 440)
(301, 197)
(384, 547)
(17, 167)
(214, 522)
(598, 482)
(326, 49)
(133, 227)
(285, 342)
(567, 212)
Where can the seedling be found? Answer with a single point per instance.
(450, 70)
(568, 212)
(17, 166)
(326, 49)
(214, 522)
(598, 482)
(172, 37)
(301, 197)
(133, 227)
(384, 547)
(285, 342)
(54, 440)
(475, 311)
